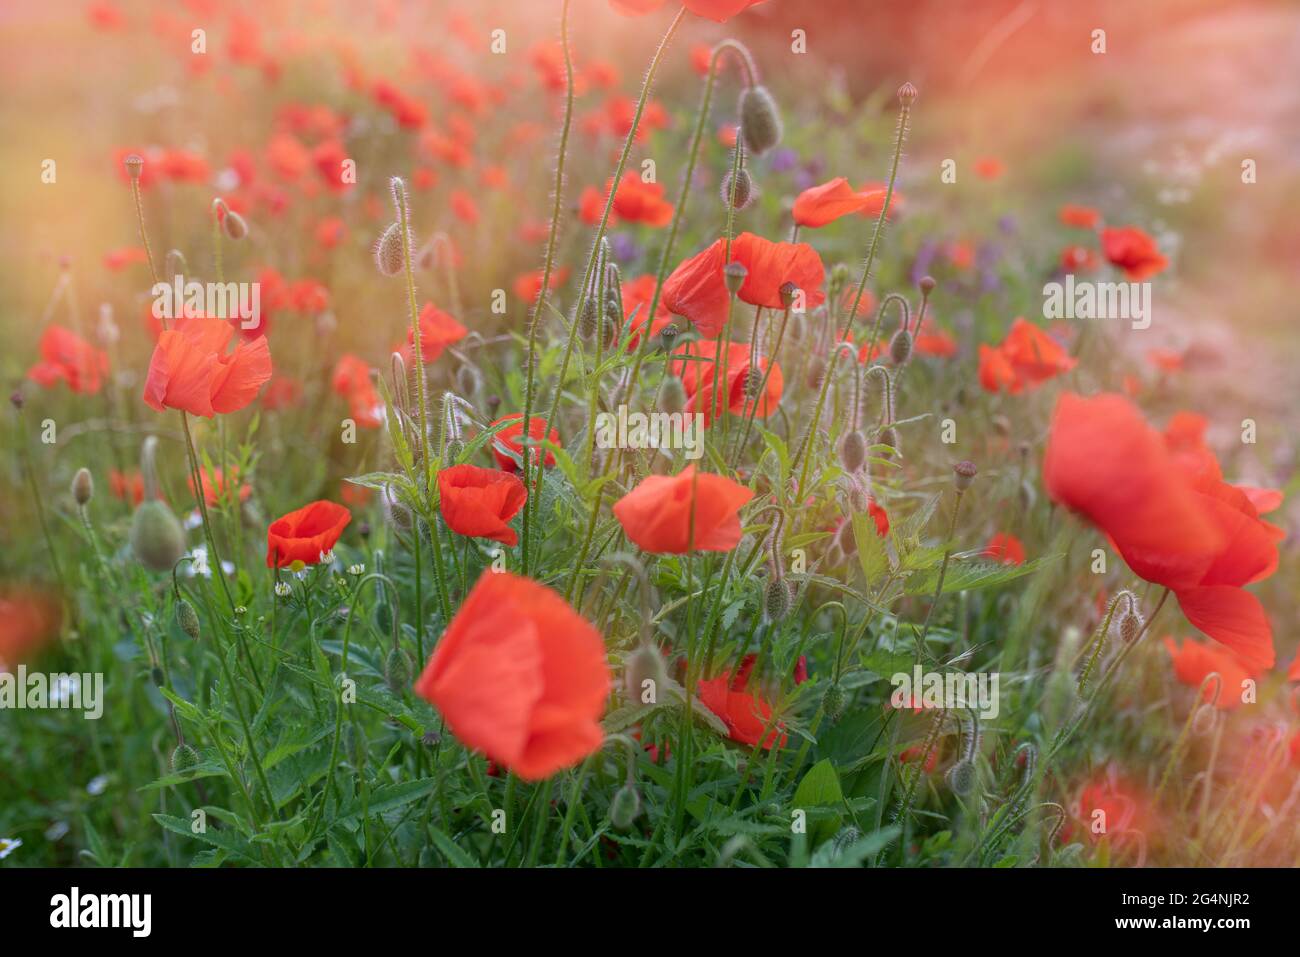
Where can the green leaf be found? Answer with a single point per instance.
(965, 575)
(820, 788)
(872, 555)
(386, 798)
(455, 854)
(222, 838)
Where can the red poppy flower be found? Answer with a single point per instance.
(819, 205)
(328, 158)
(215, 486)
(989, 167)
(1175, 524)
(305, 534)
(438, 330)
(28, 619)
(637, 294)
(695, 368)
(932, 341)
(1077, 259)
(118, 259)
(745, 713)
(478, 502)
(1079, 217)
(127, 486)
(696, 290)
(1027, 358)
(510, 438)
(640, 202)
(66, 357)
(520, 676)
(351, 380)
(879, 516)
(1133, 251)
(1195, 661)
(656, 515)
(528, 286)
(191, 370)
(877, 189)
(1005, 548)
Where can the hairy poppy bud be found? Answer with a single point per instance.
(625, 808)
(900, 347)
(888, 436)
(1203, 722)
(187, 618)
(1129, 626)
(395, 510)
(738, 192)
(16, 398)
(816, 369)
(853, 450)
(907, 95)
(847, 541)
(760, 122)
(587, 318)
(961, 777)
(397, 670)
(963, 474)
(134, 164)
(234, 226)
(467, 380)
(184, 758)
(833, 702)
(388, 250)
(777, 599)
(83, 486)
(753, 383)
(733, 274)
(672, 396)
(157, 538)
(644, 665)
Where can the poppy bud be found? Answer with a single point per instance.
(395, 510)
(777, 599)
(388, 251)
(645, 664)
(668, 335)
(787, 292)
(900, 347)
(963, 474)
(234, 225)
(397, 670)
(157, 538)
(1129, 626)
(733, 274)
(888, 436)
(737, 193)
(134, 164)
(467, 380)
(672, 397)
(587, 318)
(83, 486)
(16, 398)
(816, 369)
(625, 807)
(833, 702)
(184, 758)
(760, 122)
(753, 383)
(1203, 722)
(847, 541)
(493, 403)
(430, 739)
(927, 284)
(853, 450)
(962, 777)
(846, 839)
(907, 95)
(187, 618)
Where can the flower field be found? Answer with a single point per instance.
(634, 434)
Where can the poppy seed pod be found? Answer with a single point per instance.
(388, 250)
(187, 618)
(667, 336)
(853, 450)
(83, 486)
(760, 121)
(234, 225)
(927, 284)
(184, 758)
(961, 777)
(964, 474)
(157, 538)
(625, 808)
(134, 164)
(738, 192)
(787, 292)
(733, 274)
(900, 347)
(907, 95)
(777, 599)
(672, 397)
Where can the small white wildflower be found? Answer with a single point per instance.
(357, 569)
(327, 558)
(98, 785)
(241, 611)
(193, 521)
(8, 845)
(283, 589)
(57, 831)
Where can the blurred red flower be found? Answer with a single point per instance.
(66, 357)
(191, 370)
(438, 330)
(1027, 358)
(1195, 661)
(656, 514)
(1005, 548)
(693, 364)
(510, 438)
(1133, 251)
(819, 205)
